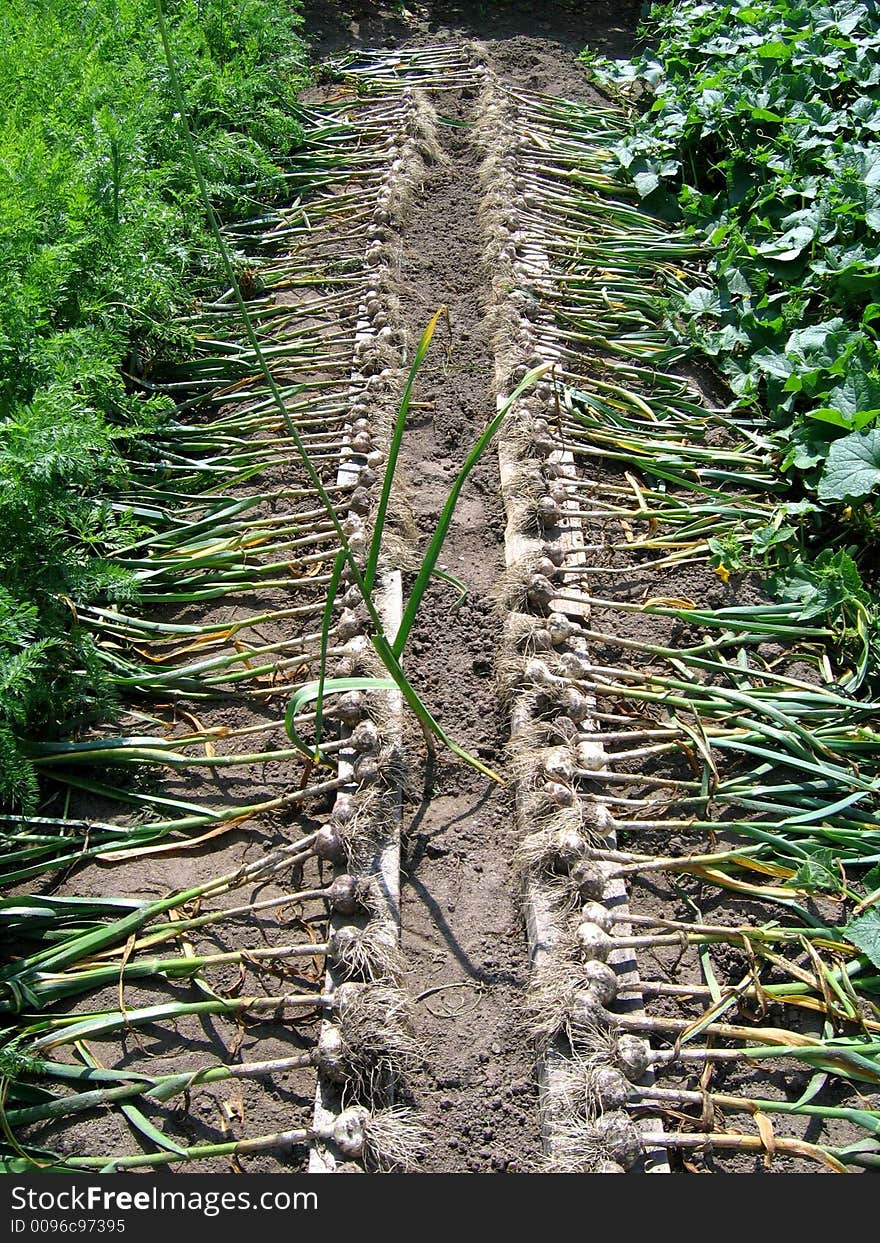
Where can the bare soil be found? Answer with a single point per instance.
(467, 960)
(538, 45)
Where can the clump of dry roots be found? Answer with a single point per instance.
(394, 1138)
(526, 584)
(364, 820)
(610, 1144)
(383, 1139)
(587, 1101)
(555, 849)
(560, 994)
(371, 1047)
(587, 1094)
(368, 953)
(559, 855)
(586, 1088)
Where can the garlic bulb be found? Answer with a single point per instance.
(349, 1131)
(343, 895)
(602, 979)
(330, 1054)
(633, 1056)
(616, 1133)
(592, 941)
(596, 913)
(329, 843)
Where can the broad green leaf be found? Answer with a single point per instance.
(828, 414)
(823, 586)
(872, 210)
(864, 933)
(775, 49)
(857, 394)
(818, 872)
(703, 301)
(790, 245)
(767, 537)
(852, 468)
(737, 283)
(646, 182)
(807, 343)
(771, 363)
(807, 450)
(853, 404)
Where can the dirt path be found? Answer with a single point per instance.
(465, 952)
